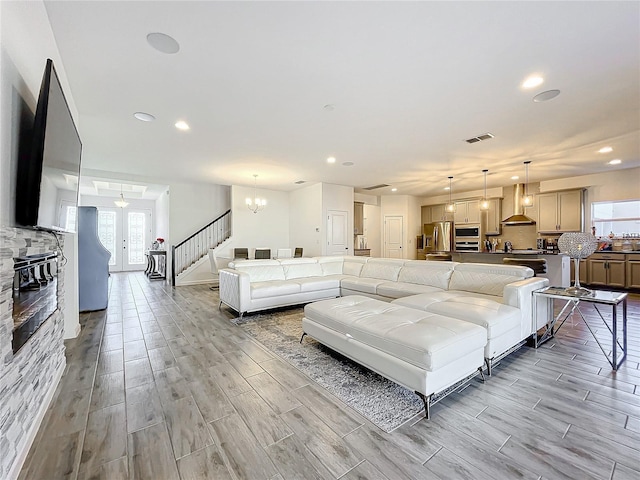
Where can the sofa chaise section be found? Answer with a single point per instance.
(422, 351)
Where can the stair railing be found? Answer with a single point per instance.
(192, 249)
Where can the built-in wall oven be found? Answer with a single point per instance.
(468, 238)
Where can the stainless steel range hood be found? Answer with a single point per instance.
(518, 217)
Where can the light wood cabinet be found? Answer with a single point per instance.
(358, 218)
(584, 271)
(633, 270)
(467, 211)
(425, 214)
(607, 270)
(493, 217)
(560, 211)
(437, 213)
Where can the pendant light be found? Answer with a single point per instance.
(450, 207)
(484, 203)
(121, 202)
(256, 204)
(527, 199)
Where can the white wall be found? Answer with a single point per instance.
(192, 206)
(162, 216)
(305, 220)
(27, 41)
(268, 228)
(337, 197)
(373, 229)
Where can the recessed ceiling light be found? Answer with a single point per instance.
(544, 96)
(615, 161)
(532, 82)
(348, 164)
(446, 188)
(144, 117)
(515, 177)
(605, 150)
(331, 160)
(163, 43)
(394, 189)
(182, 125)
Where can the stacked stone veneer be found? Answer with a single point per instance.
(26, 378)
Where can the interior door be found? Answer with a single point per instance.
(393, 236)
(126, 233)
(337, 243)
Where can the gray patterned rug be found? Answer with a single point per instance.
(383, 402)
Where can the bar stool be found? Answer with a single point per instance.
(538, 265)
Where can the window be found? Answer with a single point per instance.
(70, 220)
(137, 241)
(107, 232)
(621, 218)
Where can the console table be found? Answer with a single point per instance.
(572, 304)
(156, 264)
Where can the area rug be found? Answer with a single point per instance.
(383, 402)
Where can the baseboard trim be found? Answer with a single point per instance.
(194, 282)
(14, 472)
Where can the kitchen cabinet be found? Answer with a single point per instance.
(437, 213)
(584, 271)
(358, 218)
(633, 270)
(425, 214)
(467, 211)
(560, 211)
(493, 217)
(607, 269)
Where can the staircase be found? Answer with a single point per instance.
(193, 249)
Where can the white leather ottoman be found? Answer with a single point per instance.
(422, 351)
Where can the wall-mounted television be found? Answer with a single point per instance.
(48, 174)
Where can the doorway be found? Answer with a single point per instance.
(393, 236)
(126, 233)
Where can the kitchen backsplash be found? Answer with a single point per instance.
(521, 237)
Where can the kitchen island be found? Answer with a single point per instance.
(558, 265)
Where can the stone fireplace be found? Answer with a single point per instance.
(29, 375)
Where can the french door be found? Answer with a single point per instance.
(126, 233)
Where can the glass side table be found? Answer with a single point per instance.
(572, 304)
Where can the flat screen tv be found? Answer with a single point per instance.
(48, 174)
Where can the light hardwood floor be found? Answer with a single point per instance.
(163, 386)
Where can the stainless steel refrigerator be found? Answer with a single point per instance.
(438, 237)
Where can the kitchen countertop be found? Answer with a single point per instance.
(513, 252)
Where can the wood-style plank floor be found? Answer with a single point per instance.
(163, 386)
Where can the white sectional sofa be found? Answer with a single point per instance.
(395, 307)
(496, 297)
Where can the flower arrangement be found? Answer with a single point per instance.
(160, 240)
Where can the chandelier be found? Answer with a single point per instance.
(256, 204)
(121, 202)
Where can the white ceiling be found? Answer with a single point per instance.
(409, 81)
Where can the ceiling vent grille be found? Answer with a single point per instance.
(479, 138)
(373, 187)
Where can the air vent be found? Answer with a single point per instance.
(300, 182)
(376, 186)
(479, 138)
